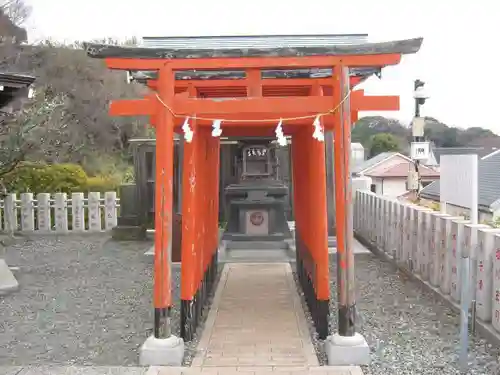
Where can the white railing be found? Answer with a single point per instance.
(429, 244)
(55, 213)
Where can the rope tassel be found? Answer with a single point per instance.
(318, 130)
(188, 133)
(216, 130)
(279, 134)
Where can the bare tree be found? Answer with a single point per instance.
(80, 129)
(17, 10)
(36, 132)
(21, 137)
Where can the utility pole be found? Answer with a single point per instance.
(420, 149)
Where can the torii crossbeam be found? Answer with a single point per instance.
(250, 84)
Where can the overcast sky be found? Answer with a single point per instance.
(458, 58)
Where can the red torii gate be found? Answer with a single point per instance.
(252, 106)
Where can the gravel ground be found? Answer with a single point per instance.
(409, 330)
(84, 300)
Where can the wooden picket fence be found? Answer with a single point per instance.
(56, 213)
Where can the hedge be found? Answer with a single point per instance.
(56, 178)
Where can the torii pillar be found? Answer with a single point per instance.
(357, 102)
(163, 346)
(347, 346)
(330, 188)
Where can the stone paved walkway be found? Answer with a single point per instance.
(256, 326)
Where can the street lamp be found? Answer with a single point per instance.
(420, 149)
(420, 95)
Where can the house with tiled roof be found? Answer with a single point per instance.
(488, 189)
(437, 152)
(14, 87)
(388, 172)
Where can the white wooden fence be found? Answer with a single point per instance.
(430, 244)
(55, 213)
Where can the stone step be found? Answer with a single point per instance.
(275, 237)
(332, 241)
(256, 245)
(256, 256)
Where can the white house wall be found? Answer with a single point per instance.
(390, 187)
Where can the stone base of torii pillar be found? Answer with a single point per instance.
(8, 282)
(347, 350)
(162, 352)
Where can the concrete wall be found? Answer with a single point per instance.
(357, 153)
(430, 245)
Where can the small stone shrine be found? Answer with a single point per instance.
(256, 203)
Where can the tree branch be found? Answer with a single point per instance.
(17, 11)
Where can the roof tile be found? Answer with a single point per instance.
(371, 162)
(401, 170)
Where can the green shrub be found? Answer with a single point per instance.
(39, 178)
(495, 222)
(102, 184)
(105, 165)
(64, 178)
(24, 178)
(435, 206)
(128, 175)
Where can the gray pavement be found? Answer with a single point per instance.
(408, 329)
(72, 370)
(83, 300)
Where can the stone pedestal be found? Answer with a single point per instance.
(347, 350)
(162, 352)
(8, 282)
(495, 322)
(129, 227)
(256, 211)
(486, 250)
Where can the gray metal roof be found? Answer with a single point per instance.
(479, 151)
(402, 47)
(371, 162)
(255, 41)
(16, 79)
(431, 190)
(489, 180)
(488, 183)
